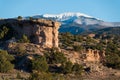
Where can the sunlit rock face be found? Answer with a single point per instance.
(95, 56)
(41, 31)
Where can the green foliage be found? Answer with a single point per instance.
(77, 68)
(113, 60)
(40, 64)
(40, 76)
(58, 57)
(46, 76)
(89, 40)
(100, 47)
(78, 48)
(5, 61)
(3, 32)
(7, 32)
(55, 57)
(107, 40)
(20, 50)
(112, 55)
(19, 17)
(67, 67)
(108, 31)
(78, 38)
(24, 39)
(111, 48)
(66, 39)
(77, 42)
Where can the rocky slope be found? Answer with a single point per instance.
(44, 33)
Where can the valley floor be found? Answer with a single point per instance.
(107, 74)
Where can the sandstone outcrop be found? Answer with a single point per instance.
(87, 56)
(95, 56)
(41, 31)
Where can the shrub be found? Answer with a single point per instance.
(67, 67)
(55, 57)
(78, 48)
(58, 57)
(77, 68)
(21, 50)
(40, 76)
(19, 17)
(66, 39)
(46, 76)
(3, 32)
(113, 60)
(24, 39)
(39, 64)
(5, 61)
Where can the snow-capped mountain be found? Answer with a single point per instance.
(77, 23)
(65, 16)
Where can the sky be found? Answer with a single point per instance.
(107, 10)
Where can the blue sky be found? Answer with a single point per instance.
(107, 10)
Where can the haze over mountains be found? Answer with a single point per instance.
(77, 23)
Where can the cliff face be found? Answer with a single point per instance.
(88, 56)
(92, 59)
(40, 31)
(95, 56)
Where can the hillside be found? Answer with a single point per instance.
(29, 49)
(109, 31)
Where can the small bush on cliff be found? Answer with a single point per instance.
(39, 64)
(55, 57)
(5, 61)
(20, 50)
(19, 17)
(3, 32)
(24, 39)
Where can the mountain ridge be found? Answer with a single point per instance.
(76, 23)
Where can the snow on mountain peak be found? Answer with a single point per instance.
(66, 15)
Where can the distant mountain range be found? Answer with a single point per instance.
(108, 31)
(77, 23)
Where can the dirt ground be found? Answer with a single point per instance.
(106, 74)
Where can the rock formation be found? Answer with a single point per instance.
(91, 59)
(95, 56)
(88, 56)
(41, 31)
